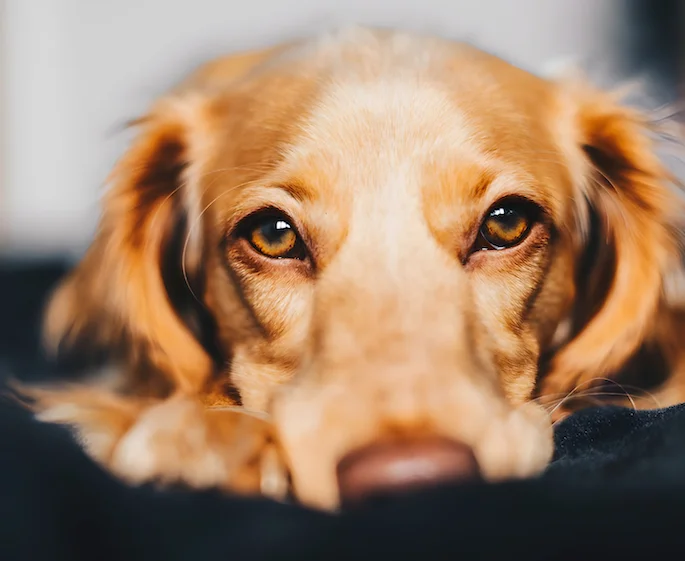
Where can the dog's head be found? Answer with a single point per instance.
(377, 235)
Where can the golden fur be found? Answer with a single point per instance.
(385, 150)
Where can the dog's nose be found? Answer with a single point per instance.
(395, 466)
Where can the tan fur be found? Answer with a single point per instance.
(385, 150)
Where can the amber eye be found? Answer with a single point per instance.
(275, 237)
(507, 224)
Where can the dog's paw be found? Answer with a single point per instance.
(175, 441)
(180, 441)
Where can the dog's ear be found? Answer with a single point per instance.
(118, 295)
(633, 202)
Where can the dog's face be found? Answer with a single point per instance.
(385, 233)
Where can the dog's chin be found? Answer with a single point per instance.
(319, 427)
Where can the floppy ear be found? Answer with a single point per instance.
(117, 297)
(637, 212)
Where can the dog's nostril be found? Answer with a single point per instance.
(396, 466)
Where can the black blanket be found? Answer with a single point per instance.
(614, 491)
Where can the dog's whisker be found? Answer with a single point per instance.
(570, 394)
(593, 397)
(625, 387)
(576, 393)
(256, 168)
(196, 221)
(584, 395)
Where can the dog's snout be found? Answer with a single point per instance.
(396, 466)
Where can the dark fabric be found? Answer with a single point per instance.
(616, 490)
(24, 287)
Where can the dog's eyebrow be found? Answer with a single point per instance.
(297, 190)
(479, 188)
(470, 184)
(492, 185)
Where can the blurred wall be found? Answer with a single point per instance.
(73, 71)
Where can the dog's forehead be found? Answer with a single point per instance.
(382, 121)
(394, 95)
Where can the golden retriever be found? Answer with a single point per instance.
(364, 263)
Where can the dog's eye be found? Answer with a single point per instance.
(274, 236)
(506, 225)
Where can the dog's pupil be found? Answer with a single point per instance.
(274, 231)
(509, 219)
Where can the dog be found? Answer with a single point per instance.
(367, 262)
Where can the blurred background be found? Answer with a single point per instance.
(72, 72)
